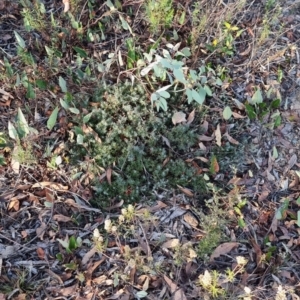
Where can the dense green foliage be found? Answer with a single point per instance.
(133, 143)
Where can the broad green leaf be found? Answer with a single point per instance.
(219, 82)
(87, 117)
(64, 243)
(227, 113)
(80, 51)
(62, 84)
(199, 96)
(179, 75)
(250, 111)
(257, 97)
(275, 103)
(74, 110)
(163, 103)
(110, 5)
(12, 131)
(41, 84)
(154, 97)
(30, 94)
(72, 243)
(189, 94)
(208, 90)
(52, 119)
(164, 94)
(20, 41)
(64, 104)
(22, 123)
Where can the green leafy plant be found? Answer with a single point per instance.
(194, 84)
(70, 244)
(159, 14)
(257, 108)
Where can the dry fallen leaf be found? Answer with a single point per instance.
(223, 249)
(61, 218)
(41, 253)
(67, 5)
(108, 175)
(191, 117)
(186, 191)
(171, 243)
(218, 136)
(190, 219)
(176, 292)
(178, 117)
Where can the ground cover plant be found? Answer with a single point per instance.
(149, 149)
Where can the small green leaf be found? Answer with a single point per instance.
(20, 41)
(275, 103)
(81, 52)
(250, 111)
(257, 97)
(164, 94)
(22, 123)
(182, 18)
(241, 223)
(30, 94)
(189, 94)
(64, 104)
(199, 96)
(227, 113)
(163, 103)
(178, 73)
(12, 132)
(72, 243)
(41, 84)
(74, 110)
(62, 84)
(87, 117)
(52, 119)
